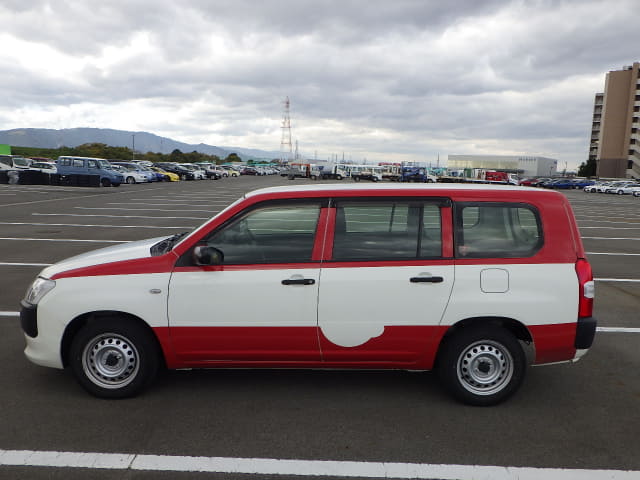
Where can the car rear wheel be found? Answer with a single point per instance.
(482, 366)
(114, 358)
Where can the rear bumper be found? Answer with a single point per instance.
(585, 332)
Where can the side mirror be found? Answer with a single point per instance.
(205, 255)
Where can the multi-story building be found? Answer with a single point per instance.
(615, 134)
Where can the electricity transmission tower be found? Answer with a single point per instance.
(285, 142)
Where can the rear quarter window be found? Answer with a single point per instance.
(497, 230)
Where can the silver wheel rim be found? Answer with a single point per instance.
(110, 361)
(485, 367)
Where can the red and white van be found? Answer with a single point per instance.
(473, 281)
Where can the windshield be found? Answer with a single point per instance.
(21, 162)
(104, 164)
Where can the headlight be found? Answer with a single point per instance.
(38, 289)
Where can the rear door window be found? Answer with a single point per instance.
(497, 230)
(387, 230)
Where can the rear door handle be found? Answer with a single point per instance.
(426, 279)
(299, 281)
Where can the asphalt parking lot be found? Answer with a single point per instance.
(579, 416)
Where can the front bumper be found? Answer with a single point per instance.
(29, 319)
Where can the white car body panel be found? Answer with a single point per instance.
(270, 304)
(554, 283)
(355, 304)
(76, 296)
(114, 253)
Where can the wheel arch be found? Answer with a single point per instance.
(517, 329)
(102, 316)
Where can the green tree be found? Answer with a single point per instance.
(232, 157)
(588, 168)
(176, 156)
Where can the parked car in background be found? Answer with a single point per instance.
(230, 170)
(580, 183)
(157, 177)
(249, 171)
(592, 188)
(44, 167)
(134, 173)
(602, 188)
(198, 173)
(169, 176)
(71, 165)
(623, 188)
(130, 175)
(536, 182)
(14, 162)
(182, 172)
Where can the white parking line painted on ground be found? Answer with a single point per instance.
(115, 216)
(608, 228)
(303, 468)
(81, 225)
(148, 209)
(617, 280)
(173, 204)
(610, 238)
(606, 221)
(64, 240)
(20, 264)
(618, 330)
(614, 254)
(66, 199)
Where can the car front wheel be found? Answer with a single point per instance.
(114, 358)
(482, 366)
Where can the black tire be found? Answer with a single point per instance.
(130, 180)
(338, 177)
(482, 366)
(114, 357)
(105, 182)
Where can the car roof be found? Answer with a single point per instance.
(399, 188)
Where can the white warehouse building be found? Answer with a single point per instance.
(526, 166)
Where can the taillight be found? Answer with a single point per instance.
(586, 288)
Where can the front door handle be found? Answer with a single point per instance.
(299, 281)
(426, 279)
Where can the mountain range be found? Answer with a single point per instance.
(142, 141)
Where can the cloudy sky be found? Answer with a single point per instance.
(367, 79)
